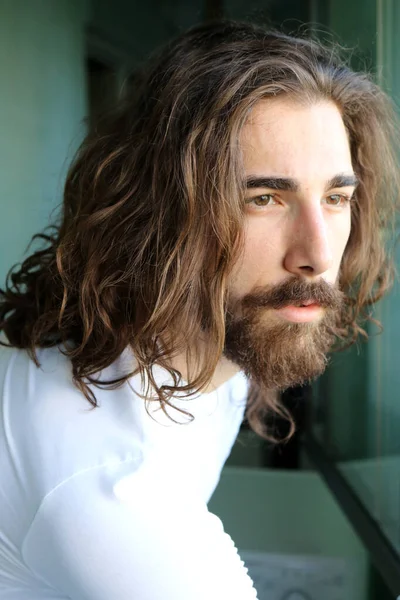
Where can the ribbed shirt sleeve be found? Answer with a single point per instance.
(146, 536)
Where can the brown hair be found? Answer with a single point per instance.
(153, 206)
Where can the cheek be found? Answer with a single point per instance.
(343, 234)
(340, 236)
(258, 259)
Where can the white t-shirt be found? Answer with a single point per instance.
(109, 503)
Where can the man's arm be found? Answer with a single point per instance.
(145, 538)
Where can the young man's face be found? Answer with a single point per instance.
(297, 223)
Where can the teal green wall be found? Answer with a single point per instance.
(287, 512)
(286, 16)
(43, 99)
(355, 25)
(137, 28)
(42, 102)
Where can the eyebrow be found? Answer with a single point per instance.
(292, 185)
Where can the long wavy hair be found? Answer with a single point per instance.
(151, 220)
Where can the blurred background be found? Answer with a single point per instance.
(317, 518)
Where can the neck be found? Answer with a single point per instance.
(225, 370)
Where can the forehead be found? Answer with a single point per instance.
(304, 141)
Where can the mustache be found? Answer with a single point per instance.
(295, 291)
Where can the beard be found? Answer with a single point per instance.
(275, 353)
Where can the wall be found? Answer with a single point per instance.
(41, 105)
(286, 16)
(290, 513)
(137, 29)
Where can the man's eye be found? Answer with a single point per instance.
(337, 200)
(260, 201)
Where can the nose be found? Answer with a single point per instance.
(309, 251)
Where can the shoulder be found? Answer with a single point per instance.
(51, 428)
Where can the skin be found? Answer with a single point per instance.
(300, 232)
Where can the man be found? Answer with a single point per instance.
(222, 226)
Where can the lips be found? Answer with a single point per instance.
(308, 303)
(301, 314)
